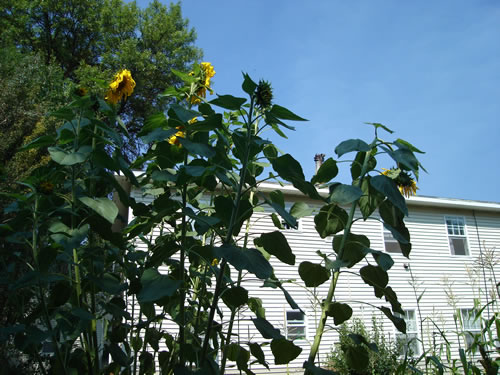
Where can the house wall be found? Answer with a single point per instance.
(431, 262)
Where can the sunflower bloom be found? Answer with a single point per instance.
(207, 72)
(406, 185)
(174, 140)
(121, 87)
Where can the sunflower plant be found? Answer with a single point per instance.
(163, 293)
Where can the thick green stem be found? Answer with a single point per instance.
(234, 311)
(182, 327)
(229, 236)
(333, 284)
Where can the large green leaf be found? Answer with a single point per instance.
(375, 277)
(351, 145)
(258, 353)
(301, 209)
(326, 172)
(228, 102)
(63, 157)
(197, 148)
(340, 312)
(248, 84)
(246, 259)
(312, 369)
(209, 123)
(399, 323)
(355, 248)
(255, 305)
(370, 200)
(275, 243)
(235, 297)
(331, 219)
(238, 354)
(357, 357)
(156, 286)
(266, 329)
(284, 351)
(344, 194)
(357, 164)
(43, 141)
(67, 237)
(284, 114)
(313, 274)
(288, 168)
(183, 113)
(103, 206)
(386, 186)
(158, 134)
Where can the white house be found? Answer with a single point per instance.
(450, 238)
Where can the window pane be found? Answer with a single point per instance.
(294, 315)
(391, 245)
(458, 246)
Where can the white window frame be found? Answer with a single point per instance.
(469, 326)
(388, 237)
(295, 323)
(411, 334)
(457, 230)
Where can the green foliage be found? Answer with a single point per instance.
(361, 351)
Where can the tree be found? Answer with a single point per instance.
(87, 41)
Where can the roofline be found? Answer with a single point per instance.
(416, 201)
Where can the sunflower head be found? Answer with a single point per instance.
(263, 94)
(81, 91)
(206, 73)
(174, 140)
(46, 187)
(407, 185)
(121, 87)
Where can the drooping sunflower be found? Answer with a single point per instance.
(406, 185)
(181, 133)
(121, 87)
(207, 72)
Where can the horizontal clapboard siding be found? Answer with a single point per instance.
(435, 270)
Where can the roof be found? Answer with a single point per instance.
(419, 200)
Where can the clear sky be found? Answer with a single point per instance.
(430, 70)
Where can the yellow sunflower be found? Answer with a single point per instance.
(174, 140)
(407, 185)
(121, 87)
(207, 72)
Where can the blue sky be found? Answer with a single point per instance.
(429, 70)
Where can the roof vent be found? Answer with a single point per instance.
(319, 159)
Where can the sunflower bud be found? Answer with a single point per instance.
(263, 94)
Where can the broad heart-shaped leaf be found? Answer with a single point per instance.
(375, 277)
(357, 357)
(156, 286)
(67, 237)
(266, 329)
(284, 351)
(326, 172)
(258, 353)
(288, 168)
(197, 148)
(69, 157)
(103, 206)
(384, 260)
(313, 274)
(355, 248)
(340, 312)
(392, 298)
(358, 162)
(255, 305)
(370, 199)
(284, 114)
(238, 354)
(228, 102)
(158, 134)
(235, 297)
(184, 114)
(245, 259)
(344, 194)
(248, 84)
(351, 145)
(313, 370)
(386, 186)
(331, 219)
(209, 123)
(289, 219)
(301, 209)
(43, 141)
(405, 157)
(275, 243)
(399, 323)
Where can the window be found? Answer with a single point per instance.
(391, 244)
(295, 325)
(470, 324)
(408, 343)
(456, 235)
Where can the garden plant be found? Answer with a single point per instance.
(90, 292)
